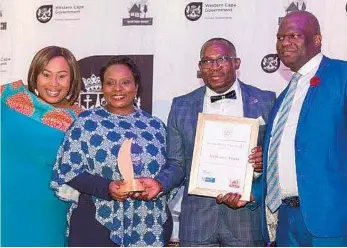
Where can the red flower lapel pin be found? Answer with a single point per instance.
(315, 81)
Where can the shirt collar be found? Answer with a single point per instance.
(311, 64)
(235, 86)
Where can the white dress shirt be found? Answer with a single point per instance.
(226, 106)
(286, 155)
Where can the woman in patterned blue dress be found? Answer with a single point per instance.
(103, 214)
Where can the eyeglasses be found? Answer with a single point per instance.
(221, 61)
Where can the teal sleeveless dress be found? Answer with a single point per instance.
(31, 133)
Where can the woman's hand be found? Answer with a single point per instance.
(116, 191)
(152, 189)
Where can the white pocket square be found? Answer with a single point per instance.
(261, 121)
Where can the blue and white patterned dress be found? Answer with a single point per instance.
(92, 144)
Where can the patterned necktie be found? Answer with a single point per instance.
(230, 95)
(273, 197)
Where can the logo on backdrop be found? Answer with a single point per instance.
(61, 13)
(270, 63)
(3, 25)
(91, 95)
(291, 6)
(193, 11)
(138, 15)
(44, 13)
(4, 61)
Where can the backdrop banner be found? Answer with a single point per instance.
(164, 38)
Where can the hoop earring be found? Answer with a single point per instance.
(135, 101)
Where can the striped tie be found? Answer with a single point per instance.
(273, 197)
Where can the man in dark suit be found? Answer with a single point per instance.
(204, 222)
(305, 149)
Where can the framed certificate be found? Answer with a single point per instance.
(220, 158)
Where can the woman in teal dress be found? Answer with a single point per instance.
(33, 123)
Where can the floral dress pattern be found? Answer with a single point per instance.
(17, 97)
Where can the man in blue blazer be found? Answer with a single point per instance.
(204, 222)
(305, 149)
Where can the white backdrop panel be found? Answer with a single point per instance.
(95, 28)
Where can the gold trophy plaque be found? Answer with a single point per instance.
(125, 165)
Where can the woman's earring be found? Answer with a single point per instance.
(36, 92)
(135, 101)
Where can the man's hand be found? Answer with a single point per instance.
(256, 158)
(116, 192)
(232, 200)
(152, 189)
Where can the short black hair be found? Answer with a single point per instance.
(122, 60)
(218, 39)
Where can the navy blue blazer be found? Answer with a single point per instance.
(320, 152)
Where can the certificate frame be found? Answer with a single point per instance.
(230, 125)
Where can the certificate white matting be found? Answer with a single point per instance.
(220, 158)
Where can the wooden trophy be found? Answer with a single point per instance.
(125, 166)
